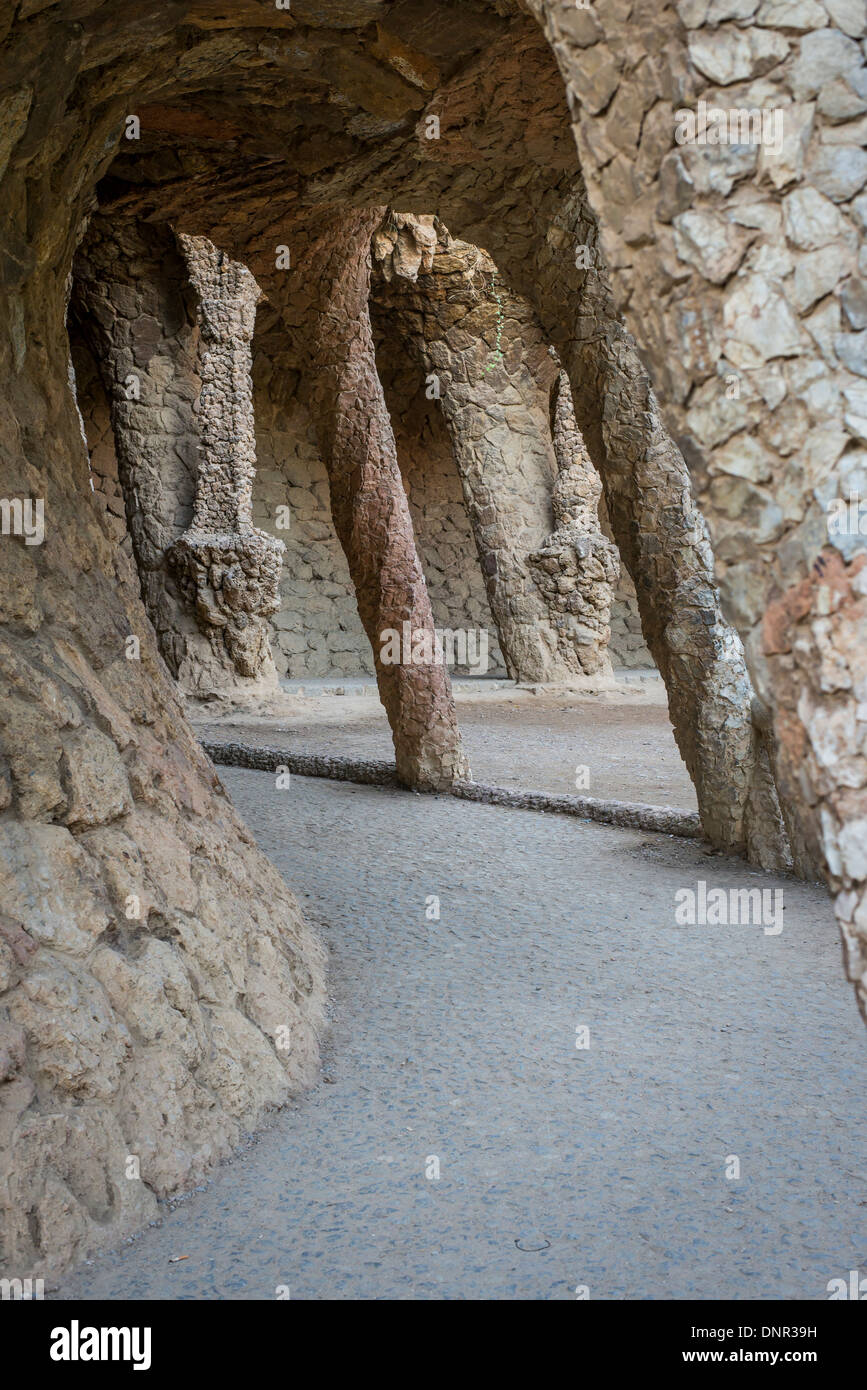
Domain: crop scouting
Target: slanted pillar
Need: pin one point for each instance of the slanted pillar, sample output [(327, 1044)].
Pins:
[(485, 359), (658, 529), (369, 505)]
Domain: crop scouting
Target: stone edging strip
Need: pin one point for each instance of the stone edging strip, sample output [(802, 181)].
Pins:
[(664, 820), (373, 772), (635, 815)]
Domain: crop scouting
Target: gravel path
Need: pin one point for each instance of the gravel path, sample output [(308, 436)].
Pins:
[(455, 1039)]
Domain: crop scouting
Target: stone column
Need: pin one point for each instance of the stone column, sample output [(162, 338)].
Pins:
[(663, 539), (577, 567), (228, 571), (368, 501), (487, 359), (658, 529), (737, 267), (135, 306)]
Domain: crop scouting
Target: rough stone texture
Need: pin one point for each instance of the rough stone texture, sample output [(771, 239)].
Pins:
[(577, 566), (627, 646), (182, 420), (317, 631), (766, 463), (148, 951), (664, 820), (99, 435), (489, 361), (444, 535), (125, 875), (369, 505), (228, 571), (374, 772), (481, 351), (256, 125), (660, 534), (133, 309)]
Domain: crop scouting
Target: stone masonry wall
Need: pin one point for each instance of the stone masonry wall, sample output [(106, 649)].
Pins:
[(317, 631), (577, 565), (444, 535), (406, 248), (169, 327), (442, 527), (149, 953), (133, 308), (492, 373)]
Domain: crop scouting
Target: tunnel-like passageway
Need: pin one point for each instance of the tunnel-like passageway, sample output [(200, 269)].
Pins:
[(644, 351)]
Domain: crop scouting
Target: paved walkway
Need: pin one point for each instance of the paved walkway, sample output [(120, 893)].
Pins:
[(455, 1040)]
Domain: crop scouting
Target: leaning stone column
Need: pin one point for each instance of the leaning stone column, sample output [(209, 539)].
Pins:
[(659, 531), (228, 570), (489, 363), (716, 299), (368, 502), (577, 567)]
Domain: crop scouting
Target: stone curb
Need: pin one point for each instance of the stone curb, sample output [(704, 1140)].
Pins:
[(663, 820), (666, 820)]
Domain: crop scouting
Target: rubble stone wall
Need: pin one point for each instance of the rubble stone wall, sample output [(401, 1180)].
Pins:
[(577, 566), (628, 647), (441, 307), (169, 327), (317, 631), (132, 306), (445, 540), (149, 954)]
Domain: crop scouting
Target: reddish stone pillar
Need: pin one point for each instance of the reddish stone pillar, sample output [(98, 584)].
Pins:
[(369, 504)]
